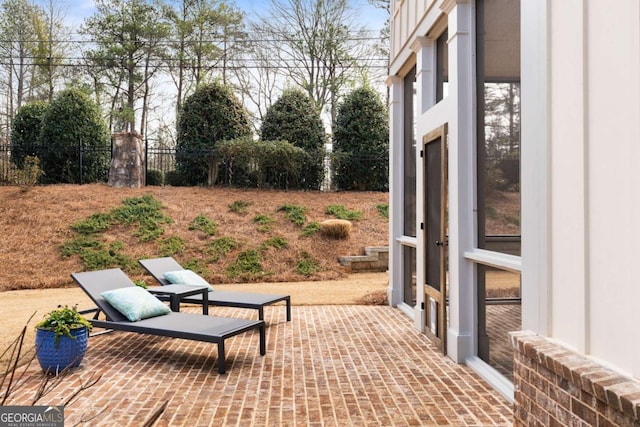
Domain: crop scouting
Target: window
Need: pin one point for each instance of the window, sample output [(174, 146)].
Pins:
[(498, 70), (409, 154), (498, 180), (409, 275), (442, 66)]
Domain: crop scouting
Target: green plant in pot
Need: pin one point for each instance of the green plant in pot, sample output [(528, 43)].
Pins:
[(61, 339)]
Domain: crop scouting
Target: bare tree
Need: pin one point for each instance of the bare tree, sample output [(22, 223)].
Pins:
[(204, 35), (382, 47), (52, 47), (19, 21), (318, 46), (258, 83)]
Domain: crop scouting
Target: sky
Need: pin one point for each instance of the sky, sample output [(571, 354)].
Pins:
[(371, 17)]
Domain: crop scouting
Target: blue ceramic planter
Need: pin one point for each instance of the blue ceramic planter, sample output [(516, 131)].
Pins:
[(68, 353)]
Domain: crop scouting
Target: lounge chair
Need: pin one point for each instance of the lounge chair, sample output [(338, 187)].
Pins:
[(257, 301), (187, 326)]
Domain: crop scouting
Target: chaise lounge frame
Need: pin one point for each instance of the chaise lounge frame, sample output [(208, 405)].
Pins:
[(257, 301), (195, 327)]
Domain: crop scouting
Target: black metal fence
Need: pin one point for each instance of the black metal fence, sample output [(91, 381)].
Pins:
[(76, 165), (161, 167)]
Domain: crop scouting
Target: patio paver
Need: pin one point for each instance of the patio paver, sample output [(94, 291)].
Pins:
[(329, 366)]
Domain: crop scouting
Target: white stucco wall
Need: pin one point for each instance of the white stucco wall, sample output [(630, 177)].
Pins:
[(593, 119)]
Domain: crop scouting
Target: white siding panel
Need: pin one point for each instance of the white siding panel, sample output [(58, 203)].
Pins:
[(613, 137), (567, 174), (406, 20)]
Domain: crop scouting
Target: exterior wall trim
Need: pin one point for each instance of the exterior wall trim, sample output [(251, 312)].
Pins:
[(536, 250), (462, 171), (396, 205)]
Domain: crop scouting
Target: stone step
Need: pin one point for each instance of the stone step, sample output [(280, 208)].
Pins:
[(375, 258)]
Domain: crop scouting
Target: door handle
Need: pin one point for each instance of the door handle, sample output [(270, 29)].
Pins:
[(439, 243)]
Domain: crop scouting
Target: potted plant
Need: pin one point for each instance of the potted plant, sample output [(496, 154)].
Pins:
[(61, 339)]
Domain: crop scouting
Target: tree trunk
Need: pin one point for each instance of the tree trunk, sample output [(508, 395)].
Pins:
[(21, 77), (131, 94), (180, 77), (145, 97), (212, 176)]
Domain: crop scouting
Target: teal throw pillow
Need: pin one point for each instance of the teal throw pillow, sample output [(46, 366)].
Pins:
[(186, 277), (135, 303)]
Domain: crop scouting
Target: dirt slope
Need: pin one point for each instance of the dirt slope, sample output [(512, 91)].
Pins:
[(34, 224)]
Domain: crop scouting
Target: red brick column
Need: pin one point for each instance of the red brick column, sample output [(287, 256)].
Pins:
[(555, 386)]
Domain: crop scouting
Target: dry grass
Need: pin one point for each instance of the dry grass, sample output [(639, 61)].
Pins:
[(34, 224), (376, 297), (335, 228)]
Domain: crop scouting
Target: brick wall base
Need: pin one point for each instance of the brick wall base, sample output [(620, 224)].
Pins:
[(558, 387)]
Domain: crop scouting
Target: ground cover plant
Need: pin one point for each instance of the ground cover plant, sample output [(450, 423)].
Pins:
[(340, 212), (47, 228)]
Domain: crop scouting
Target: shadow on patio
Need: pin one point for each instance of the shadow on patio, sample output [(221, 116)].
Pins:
[(330, 366)]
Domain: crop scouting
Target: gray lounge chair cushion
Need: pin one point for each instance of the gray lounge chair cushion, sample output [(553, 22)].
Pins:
[(186, 277), (135, 303)]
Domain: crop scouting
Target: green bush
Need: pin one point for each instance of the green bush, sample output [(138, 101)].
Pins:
[(310, 229), (221, 247), (140, 209), (263, 219), (247, 263), (61, 321), (94, 224), (271, 164), (361, 143), (73, 126), (77, 245), (175, 179), (210, 115), (101, 258), (29, 174), (154, 177), (204, 224), (275, 242), (145, 212), (25, 131), (239, 206), (293, 118), (340, 212), (148, 230), (307, 266), (172, 245), (383, 210), (196, 265), (295, 213), (264, 222)]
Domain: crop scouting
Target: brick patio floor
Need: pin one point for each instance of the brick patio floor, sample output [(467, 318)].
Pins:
[(329, 366)]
